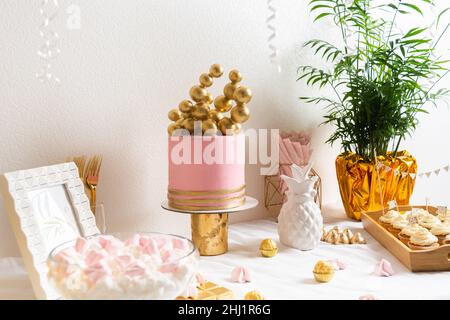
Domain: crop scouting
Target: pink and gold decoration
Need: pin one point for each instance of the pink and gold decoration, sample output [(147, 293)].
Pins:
[(213, 112)]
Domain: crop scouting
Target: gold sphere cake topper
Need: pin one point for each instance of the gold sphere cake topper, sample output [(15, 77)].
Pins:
[(212, 111)]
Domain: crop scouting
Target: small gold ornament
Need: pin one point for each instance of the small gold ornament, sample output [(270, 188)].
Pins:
[(174, 115), (240, 113), (198, 94), (253, 295), (222, 104), (215, 115), (206, 80), (268, 248), (188, 124), (186, 106), (216, 70), (201, 111), (229, 90), (226, 126), (235, 76), (171, 128), (242, 95), (237, 128), (209, 127)]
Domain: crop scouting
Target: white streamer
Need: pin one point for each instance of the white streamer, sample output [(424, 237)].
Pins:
[(273, 56), (49, 49)]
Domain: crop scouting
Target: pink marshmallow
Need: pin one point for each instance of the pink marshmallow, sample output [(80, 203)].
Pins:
[(133, 241), (181, 244), (124, 261), (169, 267), (338, 264), (93, 257), (240, 275), (135, 270)]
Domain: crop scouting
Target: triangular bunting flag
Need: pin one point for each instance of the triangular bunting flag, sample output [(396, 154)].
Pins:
[(379, 165), (428, 174), (420, 175), (412, 175), (387, 169), (446, 167), (436, 172), (404, 174), (396, 172)]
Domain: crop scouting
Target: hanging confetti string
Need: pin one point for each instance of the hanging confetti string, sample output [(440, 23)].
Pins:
[(49, 49), (273, 56)]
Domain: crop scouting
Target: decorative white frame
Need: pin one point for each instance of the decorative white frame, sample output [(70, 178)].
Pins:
[(15, 187)]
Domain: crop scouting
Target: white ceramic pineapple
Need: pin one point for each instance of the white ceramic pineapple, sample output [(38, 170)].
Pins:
[(300, 221)]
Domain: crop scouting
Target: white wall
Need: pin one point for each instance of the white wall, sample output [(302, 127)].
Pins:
[(133, 60)]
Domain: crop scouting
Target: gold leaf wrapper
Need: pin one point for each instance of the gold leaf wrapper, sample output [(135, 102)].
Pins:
[(359, 185)]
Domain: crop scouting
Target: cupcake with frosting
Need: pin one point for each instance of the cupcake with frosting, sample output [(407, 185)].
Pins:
[(408, 231), (423, 240), (441, 231), (387, 218), (429, 221), (398, 224)]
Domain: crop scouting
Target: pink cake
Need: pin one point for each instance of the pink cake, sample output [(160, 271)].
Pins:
[(206, 173)]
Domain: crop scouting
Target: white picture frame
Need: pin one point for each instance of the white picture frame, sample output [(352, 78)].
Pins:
[(46, 206)]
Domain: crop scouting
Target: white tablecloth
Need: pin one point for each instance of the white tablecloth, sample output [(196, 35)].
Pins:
[(289, 274)]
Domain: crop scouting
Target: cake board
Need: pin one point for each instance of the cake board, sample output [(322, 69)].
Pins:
[(210, 227)]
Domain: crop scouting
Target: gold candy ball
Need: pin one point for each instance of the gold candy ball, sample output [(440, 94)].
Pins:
[(198, 93), (216, 70), (215, 115), (171, 128), (237, 128), (209, 127), (229, 90), (174, 114), (209, 98), (268, 248), (253, 295), (223, 104), (235, 76), (240, 113), (186, 106), (243, 94), (226, 126), (188, 124), (201, 111), (206, 80)]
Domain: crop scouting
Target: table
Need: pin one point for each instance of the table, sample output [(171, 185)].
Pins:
[(289, 274)]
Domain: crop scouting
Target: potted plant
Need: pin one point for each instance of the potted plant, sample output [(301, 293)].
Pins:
[(382, 78)]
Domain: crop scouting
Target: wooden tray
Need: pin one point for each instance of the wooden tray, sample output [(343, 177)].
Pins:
[(415, 260)]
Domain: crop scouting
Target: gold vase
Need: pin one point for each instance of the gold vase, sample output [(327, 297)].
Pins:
[(359, 183)]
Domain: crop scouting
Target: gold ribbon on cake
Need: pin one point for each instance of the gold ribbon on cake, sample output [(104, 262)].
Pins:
[(360, 181)]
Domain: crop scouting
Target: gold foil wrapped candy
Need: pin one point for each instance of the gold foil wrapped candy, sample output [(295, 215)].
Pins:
[(211, 111), (253, 295), (323, 271), (268, 248)]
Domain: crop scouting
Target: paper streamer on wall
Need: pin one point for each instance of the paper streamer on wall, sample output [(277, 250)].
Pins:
[(273, 56), (49, 49)]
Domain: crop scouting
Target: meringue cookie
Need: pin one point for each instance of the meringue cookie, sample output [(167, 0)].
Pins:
[(240, 275), (384, 268), (338, 264)]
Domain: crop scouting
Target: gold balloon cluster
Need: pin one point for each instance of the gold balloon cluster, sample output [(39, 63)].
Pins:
[(234, 100)]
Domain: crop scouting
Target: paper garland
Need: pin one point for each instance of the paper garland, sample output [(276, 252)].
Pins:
[(427, 174), (273, 56), (49, 49)]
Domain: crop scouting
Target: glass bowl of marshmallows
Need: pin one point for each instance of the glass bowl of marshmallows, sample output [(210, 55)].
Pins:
[(131, 266)]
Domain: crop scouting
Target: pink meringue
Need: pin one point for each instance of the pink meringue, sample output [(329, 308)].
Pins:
[(338, 264), (384, 268), (240, 274)]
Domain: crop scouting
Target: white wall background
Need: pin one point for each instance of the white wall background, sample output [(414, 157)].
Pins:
[(130, 62)]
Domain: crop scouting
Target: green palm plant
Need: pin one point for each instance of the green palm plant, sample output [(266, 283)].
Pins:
[(382, 77)]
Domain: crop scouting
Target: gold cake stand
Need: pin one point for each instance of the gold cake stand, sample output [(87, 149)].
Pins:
[(210, 228)]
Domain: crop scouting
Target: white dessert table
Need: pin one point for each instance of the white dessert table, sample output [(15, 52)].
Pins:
[(289, 274)]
